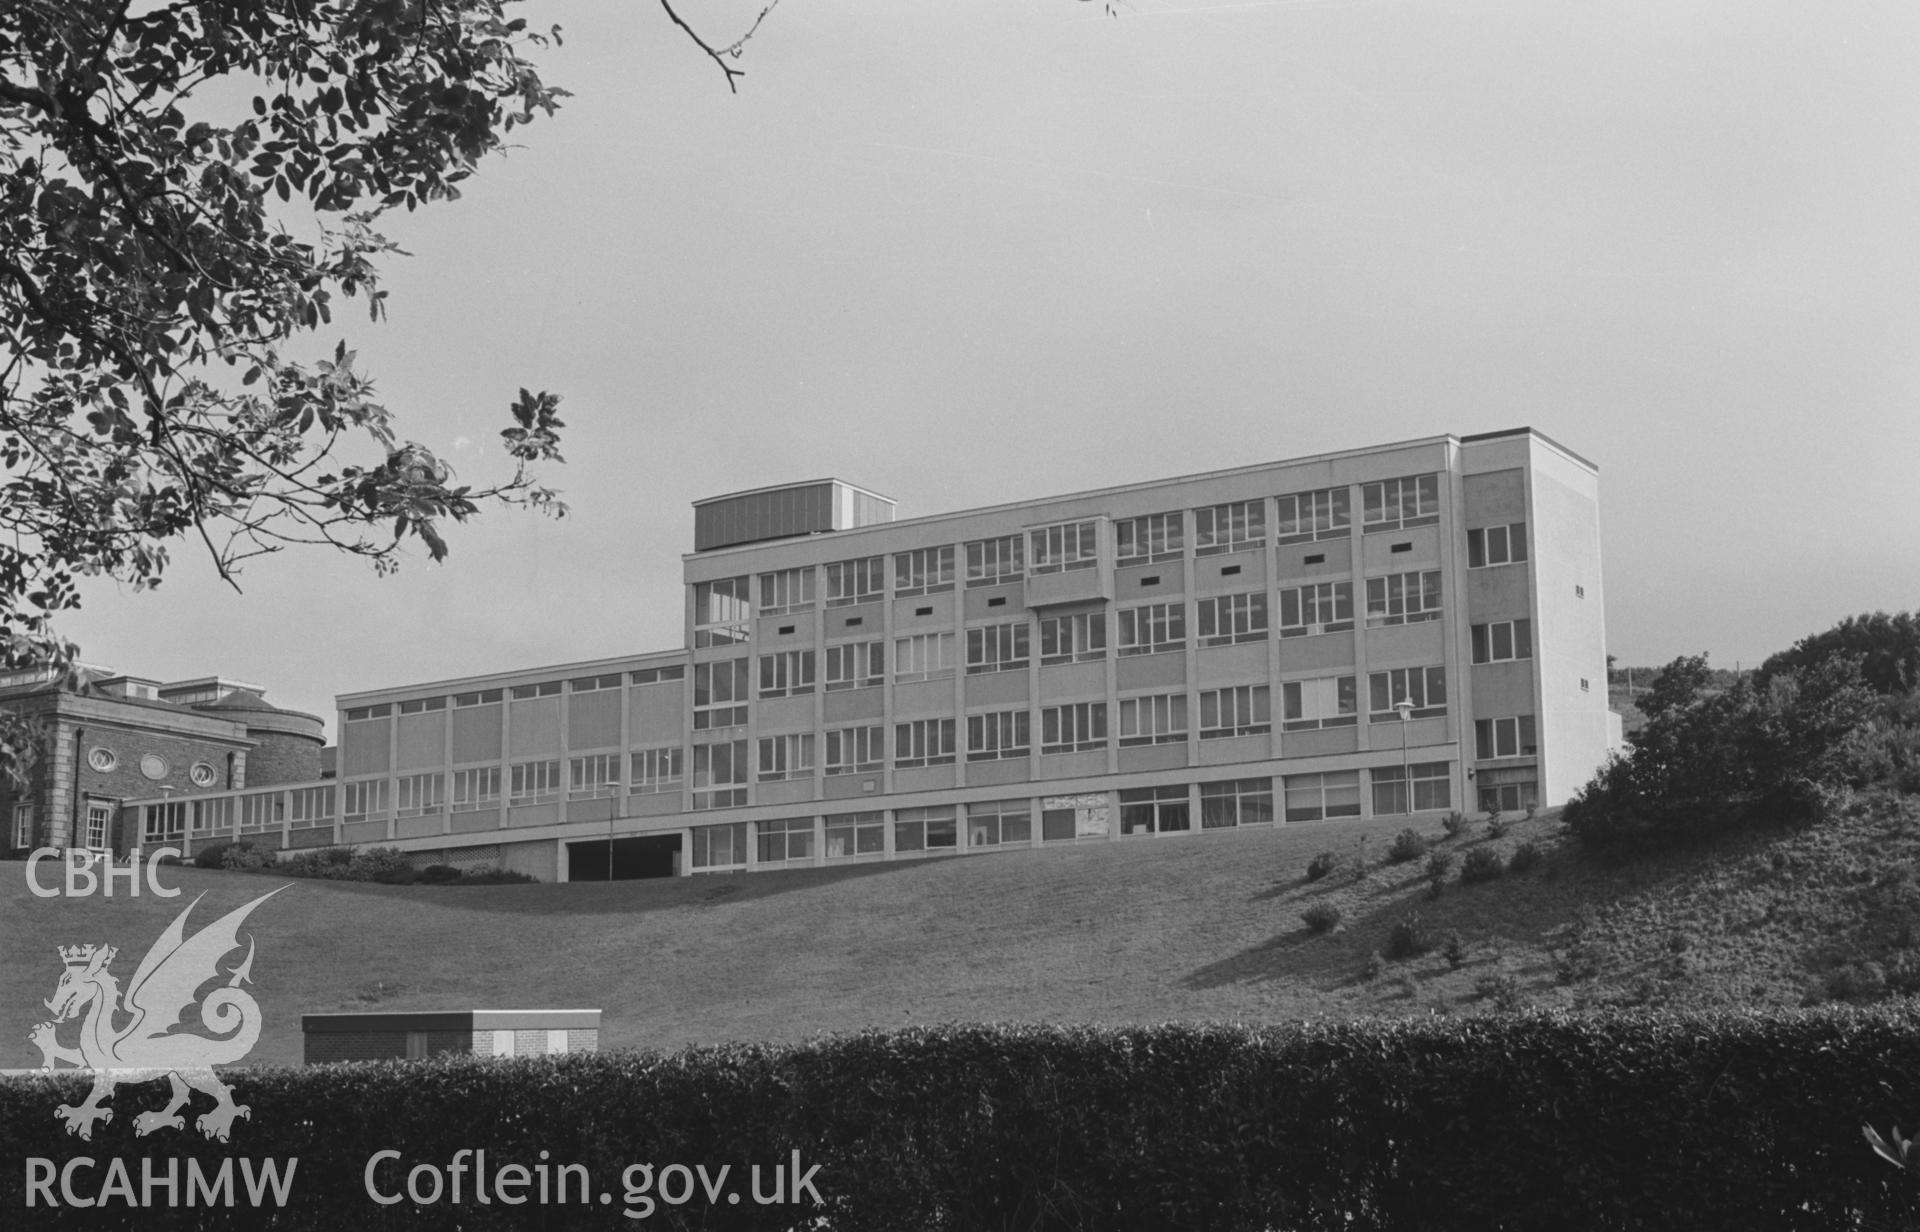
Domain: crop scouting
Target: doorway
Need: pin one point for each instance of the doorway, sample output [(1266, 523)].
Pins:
[(624, 859)]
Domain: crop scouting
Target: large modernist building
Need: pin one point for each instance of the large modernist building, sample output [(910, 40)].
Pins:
[(1410, 628)]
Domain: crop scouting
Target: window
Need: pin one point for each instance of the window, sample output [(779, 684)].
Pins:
[(926, 829), (1160, 719), (1073, 639), (1227, 619), (998, 648), (160, 823), (923, 656), (923, 572), (476, 789), (854, 665), (1070, 545), (999, 734), (1322, 607), (855, 750), (1243, 710), (990, 561), (366, 798), (1225, 528), (1403, 598), (22, 825), (855, 834), (265, 809), (855, 581), (597, 774), (658, 770), (659, 675), (786, 757), (534, 782), (719, 694), (923, 742), (780, 841), (1508, 790), (719, 846), (100, 822), (1323, 514), (1153, 629), (1313, 797), (999, 822), (1502, 640), (1154, 810), (1432, 788), (787, 672), (1076, 728), (420, 705), (593, 684), (484, 697), (720, 775), (1330, 701), (720, 612), (1396, 503), (420, 793), (789, 590), (1496, 545), (1512, 737), (1425, 687), (1236, 802), (353, 716), (521, 692), (1139, 541), (211, 816)]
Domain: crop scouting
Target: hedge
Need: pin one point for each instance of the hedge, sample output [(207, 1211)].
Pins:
[(1492, 1122)]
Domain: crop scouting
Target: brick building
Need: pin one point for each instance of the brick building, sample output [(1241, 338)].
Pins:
[(106, 738)]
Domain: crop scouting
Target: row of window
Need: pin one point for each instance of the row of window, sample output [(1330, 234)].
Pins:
[(548, 688), (1422, 787), (722, 607)]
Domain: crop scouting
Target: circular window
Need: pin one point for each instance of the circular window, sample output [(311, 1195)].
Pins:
[(102, 759), (153, 766), (201, 774)]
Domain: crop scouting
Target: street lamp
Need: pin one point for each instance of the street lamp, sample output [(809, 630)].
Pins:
[(1405, 708)]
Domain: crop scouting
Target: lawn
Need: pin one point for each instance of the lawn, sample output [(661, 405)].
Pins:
[(1205, 926)]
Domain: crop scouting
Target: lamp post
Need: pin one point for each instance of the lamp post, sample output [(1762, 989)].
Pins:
[(1405, 708)]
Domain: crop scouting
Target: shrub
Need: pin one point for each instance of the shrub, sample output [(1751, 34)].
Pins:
[(1322, 864), (1439, 864), (1375, 967), (1408, 938), (1454, 823), (1502, 990), (488, 874), (246, 858), (1482, 864), (1496, 825), (438, 874), (1524, 858), (211, 856), (1454, 949), (1577, 962), (1321, 918), (1409, 844)]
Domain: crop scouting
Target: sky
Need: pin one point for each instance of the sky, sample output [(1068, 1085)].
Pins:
[(995, 251)]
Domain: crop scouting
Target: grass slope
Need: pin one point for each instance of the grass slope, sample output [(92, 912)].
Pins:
[(1193, 927)]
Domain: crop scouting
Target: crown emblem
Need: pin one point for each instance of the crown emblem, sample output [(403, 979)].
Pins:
[(82, 955)]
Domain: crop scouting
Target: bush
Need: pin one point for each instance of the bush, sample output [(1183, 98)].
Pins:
[(211, 856), (1654, 1120), (1454, 949), (1375, 968), (1439, 864), (1502, 990), (1322, 864), (1524, 858), (1408, 938), (1321, 918), (1454, 823), (1482, 864), (244, 857), (439, 874), (1496, 825), (487, 874), (1409, 844)]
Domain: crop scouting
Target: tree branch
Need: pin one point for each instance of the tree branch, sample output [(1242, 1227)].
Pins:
[(720, 55)]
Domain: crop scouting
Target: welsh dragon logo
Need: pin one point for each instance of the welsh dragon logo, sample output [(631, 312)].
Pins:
[(147, 1045)]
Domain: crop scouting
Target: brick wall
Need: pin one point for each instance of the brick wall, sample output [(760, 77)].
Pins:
[(282, 758)]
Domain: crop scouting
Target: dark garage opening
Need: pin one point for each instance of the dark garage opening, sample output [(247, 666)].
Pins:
[(651, 855)]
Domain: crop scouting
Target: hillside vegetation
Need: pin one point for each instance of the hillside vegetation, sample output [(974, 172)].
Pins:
[(1200, 927)]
